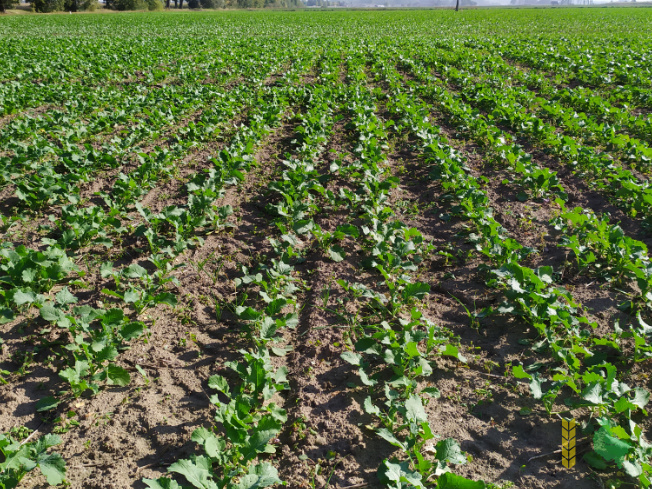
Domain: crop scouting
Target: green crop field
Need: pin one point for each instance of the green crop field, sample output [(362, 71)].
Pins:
[(326, 249)]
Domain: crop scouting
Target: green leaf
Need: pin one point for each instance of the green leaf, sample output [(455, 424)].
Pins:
[(349, 229), (247, 313), (219, 383), (117, 376), (414, 411), (113, 318), (213, 446), (47, 441), (452, 481), (6, 315), (610, 447), (106, 269), (166, 298), (351, 357), (261, 475), (452, 351), (593, 393), (275, 306), (303, 226), (449, 451), (632, 469), (365, 379), (411, 349), (106, 353), (162, 483), (432, 391), (47, 403), (387, 435), (370, 408), (418, 290), (134, 271), (520, 373), (266, 430), (641, 397), (74, 375), (132, 330), (53, 467), (595, 460), (51, 313), (20, 297), (336, 253), (197, 471), (132, 296), (535, 386), (391, 473), (65, 297)]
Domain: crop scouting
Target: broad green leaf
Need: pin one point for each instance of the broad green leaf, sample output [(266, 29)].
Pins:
[(632, 468), (453, 481), (51, 313), (336, 253), (212, 445), (117, 376), (387, 435), (247, 313), (166, 298), (417, 290), (593, 393), (53, 467), (197, 471), (452, 351), (370, 408), (134, 271), (131, 296), (351, 357), (641, 397), (520, 373), (414, 411), (219, 383), (266, 430), (610, 447), (65, 297), (260, 475), (106, 353), (349, 229), (398, 475), (449, 451), (132, 330), (47, 403), (162, 483), (595, 460), (21, 298)]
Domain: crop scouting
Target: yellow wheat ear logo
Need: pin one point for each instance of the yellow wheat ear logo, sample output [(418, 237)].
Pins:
[(568, 443)]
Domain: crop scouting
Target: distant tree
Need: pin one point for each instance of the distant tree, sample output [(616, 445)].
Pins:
[(284, 3), (134, 4), (48, 5), (211, 3), (251, 3), (77, 5), (7, 4)]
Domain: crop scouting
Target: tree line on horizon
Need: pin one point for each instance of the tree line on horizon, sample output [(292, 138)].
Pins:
[(46, 6)]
